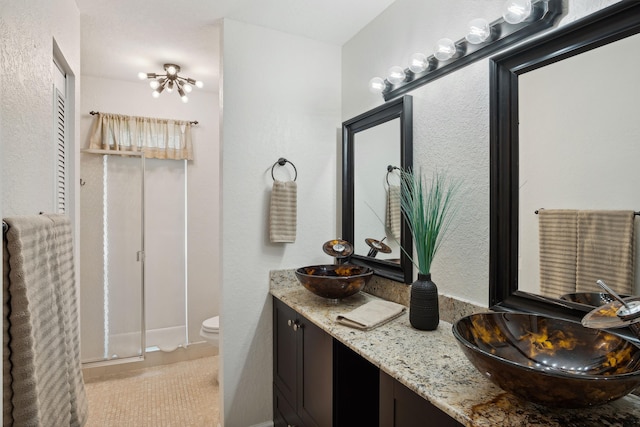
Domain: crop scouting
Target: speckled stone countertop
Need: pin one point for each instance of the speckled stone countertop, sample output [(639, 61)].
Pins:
[(431, 364)]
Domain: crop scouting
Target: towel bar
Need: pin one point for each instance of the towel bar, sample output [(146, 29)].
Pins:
[(636, 213)]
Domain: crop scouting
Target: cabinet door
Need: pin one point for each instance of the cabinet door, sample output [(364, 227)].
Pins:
[(285, 370), (283, 414), (401, 407), (315, 384)]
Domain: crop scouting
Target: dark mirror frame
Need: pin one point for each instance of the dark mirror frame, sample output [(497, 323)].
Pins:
[(401, 108), (608, 25)]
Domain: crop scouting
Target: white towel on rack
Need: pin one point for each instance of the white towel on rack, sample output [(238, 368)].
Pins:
[(283, 212)]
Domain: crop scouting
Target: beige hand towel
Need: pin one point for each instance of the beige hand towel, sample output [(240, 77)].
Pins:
[(393, 212), (605, 250), (371, 314), (283, 212), (558, 242)]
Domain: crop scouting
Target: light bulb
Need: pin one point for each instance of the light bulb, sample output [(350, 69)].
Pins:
[(199, 84), (170, 87), (377, 85), (184, 98), (155, 94), (154, 84), (171, 70), (187, 87), (445, 49), (396, 75), (142, 76), (478, 31), (516, 11), (418, 63)]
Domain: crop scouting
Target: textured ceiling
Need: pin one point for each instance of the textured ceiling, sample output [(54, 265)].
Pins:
[(120, 38)]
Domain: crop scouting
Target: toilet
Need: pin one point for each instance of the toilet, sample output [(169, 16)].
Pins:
[(210, 330)]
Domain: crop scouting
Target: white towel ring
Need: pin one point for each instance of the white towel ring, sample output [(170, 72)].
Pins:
[(281, 162)]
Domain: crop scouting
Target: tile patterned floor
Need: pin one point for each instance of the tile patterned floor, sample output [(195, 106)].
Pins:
[(182, 394)]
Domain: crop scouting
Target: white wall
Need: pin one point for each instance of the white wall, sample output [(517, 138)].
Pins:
[(451, 118), (281, 98), (134, 98), (27, 167), (27, 32)]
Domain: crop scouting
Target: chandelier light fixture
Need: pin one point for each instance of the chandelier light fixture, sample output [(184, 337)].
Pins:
[(170, 81)]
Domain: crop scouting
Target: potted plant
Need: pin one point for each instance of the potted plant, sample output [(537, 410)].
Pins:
[(428, 208)]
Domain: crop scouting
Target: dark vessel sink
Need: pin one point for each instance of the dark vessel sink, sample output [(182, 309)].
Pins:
[(549, 361), (334, 281)]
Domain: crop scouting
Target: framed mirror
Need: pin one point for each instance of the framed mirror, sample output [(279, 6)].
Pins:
[(564, 135), (376, 145)]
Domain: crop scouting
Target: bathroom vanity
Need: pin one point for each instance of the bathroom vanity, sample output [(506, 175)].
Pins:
[(327, 374)]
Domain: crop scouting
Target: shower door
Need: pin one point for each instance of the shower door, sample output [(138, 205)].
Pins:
[(112, 257)]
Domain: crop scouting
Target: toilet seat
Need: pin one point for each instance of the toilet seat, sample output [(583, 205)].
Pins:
[(210, 330), (211, 325)]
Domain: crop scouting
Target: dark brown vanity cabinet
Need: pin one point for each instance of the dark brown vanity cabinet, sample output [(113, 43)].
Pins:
[(302, 371), (320, 382), (401, 407)]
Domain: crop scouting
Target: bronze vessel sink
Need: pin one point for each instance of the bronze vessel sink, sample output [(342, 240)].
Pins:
[(334, 281), (549, 361)]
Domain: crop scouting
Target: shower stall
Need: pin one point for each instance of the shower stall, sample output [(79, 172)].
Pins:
[(133, 256)]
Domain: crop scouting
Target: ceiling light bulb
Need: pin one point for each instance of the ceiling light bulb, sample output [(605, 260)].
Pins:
[(377, 85), (184, 98), (170, 87), (155, 94), (142, 76), (199, 84), (154, 84), (516, 11), (396, 75), (445, 49), (171, 70), (418, 63), (478, 31), (187, 87)]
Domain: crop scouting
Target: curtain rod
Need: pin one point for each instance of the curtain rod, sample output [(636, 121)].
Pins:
[(93, 113)]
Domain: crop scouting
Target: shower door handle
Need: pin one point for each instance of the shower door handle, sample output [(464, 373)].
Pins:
[(140, 256)]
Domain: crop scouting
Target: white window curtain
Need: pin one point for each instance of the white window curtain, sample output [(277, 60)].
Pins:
[(156, 138)]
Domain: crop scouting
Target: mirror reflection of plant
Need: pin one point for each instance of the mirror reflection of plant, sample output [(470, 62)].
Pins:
[(429, 209)]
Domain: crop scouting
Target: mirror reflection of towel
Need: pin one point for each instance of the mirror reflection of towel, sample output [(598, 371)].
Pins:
[(393, 213), (283, 212), (605, 250), (557, 230), (579, 247)]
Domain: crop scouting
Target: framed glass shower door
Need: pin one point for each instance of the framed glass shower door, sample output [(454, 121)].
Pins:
[(112, 257)]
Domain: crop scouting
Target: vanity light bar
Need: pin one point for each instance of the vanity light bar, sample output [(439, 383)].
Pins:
[(525, 18)]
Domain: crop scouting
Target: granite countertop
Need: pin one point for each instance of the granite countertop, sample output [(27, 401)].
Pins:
[(431, 364)]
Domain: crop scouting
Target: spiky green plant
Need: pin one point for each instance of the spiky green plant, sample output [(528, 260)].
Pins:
[(429, 211)]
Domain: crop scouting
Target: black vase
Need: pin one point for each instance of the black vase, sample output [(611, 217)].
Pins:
[(423, 306)]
